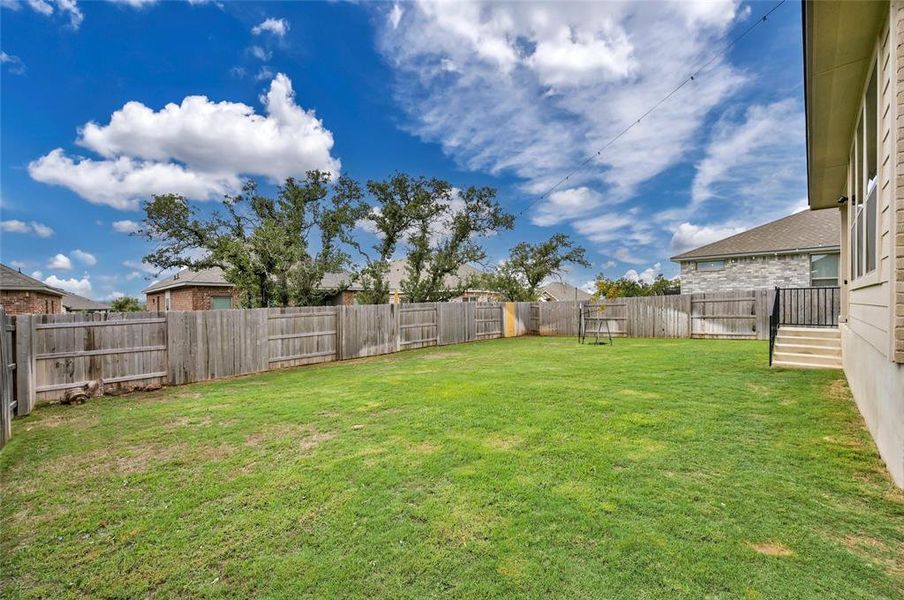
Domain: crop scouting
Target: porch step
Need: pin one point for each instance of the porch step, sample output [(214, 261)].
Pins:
[(811, 332), (807, 348), (812, 361), (795, 346)]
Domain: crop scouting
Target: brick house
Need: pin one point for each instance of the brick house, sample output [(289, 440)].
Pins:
[(192, 290), (800, 250), (21, 294)]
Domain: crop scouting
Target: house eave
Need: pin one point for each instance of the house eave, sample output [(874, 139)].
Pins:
[(838, 41), (810, 250)]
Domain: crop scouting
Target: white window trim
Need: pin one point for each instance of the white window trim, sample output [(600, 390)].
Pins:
[(872, 277)]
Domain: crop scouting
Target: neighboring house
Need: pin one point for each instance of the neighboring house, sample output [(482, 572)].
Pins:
[(800, 250), (854, 92), (209, 290), (559, 291), (398, 271), (75, 303), (21, 294), (192, 290)]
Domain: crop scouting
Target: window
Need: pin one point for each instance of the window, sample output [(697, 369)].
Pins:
[(862, 207), (166, 301), (220, 302), (710, 265), (824, 270)]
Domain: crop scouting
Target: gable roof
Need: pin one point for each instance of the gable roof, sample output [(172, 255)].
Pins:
[(11, 279), (806, 230), (212, 277), (561, 291), (74, 302)]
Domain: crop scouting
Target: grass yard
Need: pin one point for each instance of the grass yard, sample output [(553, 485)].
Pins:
[(531, 466)]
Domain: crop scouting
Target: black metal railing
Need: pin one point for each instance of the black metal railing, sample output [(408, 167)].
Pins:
[(803, 307), (774, 322), (810, 306)]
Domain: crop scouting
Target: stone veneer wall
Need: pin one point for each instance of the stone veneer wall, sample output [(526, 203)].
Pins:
[(745, 273), (20, 302)]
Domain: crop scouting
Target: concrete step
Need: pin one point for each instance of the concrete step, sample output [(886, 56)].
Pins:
[(813, 332), (799, 360), (833, 350), (830, 342)]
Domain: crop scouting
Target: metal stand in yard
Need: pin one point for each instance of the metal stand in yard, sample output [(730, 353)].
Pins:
[(592, 320)]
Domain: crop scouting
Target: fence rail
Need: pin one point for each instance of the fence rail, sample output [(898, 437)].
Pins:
[(45, 356)]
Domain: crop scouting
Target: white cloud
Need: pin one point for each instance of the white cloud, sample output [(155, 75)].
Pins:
[(756, 161), (82, 286), (259, 53), (395, 15), (277, 27), (647, 276), (133, 275), (623, 226), (624, 255), (86, 258), (688, 236), (17, 264), (555, 82), (13, 63), (37, 274), (140, 266), (66, 8), (608, 264), (134, 3), (126, 226), (263, 73), (41, 230), (113, 296), (60, 262), (564, 205), (15, 226), (180, 149)]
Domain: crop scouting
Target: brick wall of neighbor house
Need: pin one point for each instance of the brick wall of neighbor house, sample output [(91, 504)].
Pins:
[(18, 302), (189, 298), (786, 270)]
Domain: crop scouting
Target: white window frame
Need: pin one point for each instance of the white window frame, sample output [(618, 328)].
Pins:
[(860, 196), (719, 268), (837, 277)]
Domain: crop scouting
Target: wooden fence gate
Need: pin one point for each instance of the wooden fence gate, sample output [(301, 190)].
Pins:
[(8, 404)]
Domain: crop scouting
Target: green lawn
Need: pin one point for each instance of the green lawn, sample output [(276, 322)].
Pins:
[(531, 466)]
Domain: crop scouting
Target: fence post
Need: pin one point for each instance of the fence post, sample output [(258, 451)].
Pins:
[(25, 364)]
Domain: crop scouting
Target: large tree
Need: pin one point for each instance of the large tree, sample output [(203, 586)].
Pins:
[(625, 287), (275, 250), (519, 277), (125, 304), (440, 228)]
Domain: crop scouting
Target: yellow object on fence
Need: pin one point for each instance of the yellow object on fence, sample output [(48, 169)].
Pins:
[(509, 320)]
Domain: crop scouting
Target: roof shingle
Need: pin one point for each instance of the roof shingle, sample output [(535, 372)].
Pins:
[(806, 230), (11, 279)]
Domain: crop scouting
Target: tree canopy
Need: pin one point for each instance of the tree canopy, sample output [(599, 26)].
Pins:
[(125, 304), (624, 287), (274, 250), (440, 228), (529, 265)]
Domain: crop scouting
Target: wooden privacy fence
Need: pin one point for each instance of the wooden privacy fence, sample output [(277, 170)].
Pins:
[(42, 357)]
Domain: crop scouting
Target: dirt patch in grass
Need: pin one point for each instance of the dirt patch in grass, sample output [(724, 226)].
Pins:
[(772, 549), (303, 437), (759, 390), (838, 389), (441, 355), (75, 420), (180, 422), (426, 448), (502, 442), (889, 559), (644, 395)]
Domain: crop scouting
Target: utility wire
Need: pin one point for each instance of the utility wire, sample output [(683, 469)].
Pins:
[(662, 101)]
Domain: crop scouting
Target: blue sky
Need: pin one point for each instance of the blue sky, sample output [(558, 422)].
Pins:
[(105, 103)]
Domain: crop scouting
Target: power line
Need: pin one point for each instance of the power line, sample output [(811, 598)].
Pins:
[(661, 101)]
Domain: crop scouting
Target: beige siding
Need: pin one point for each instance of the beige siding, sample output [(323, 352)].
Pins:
[(869, 302)]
